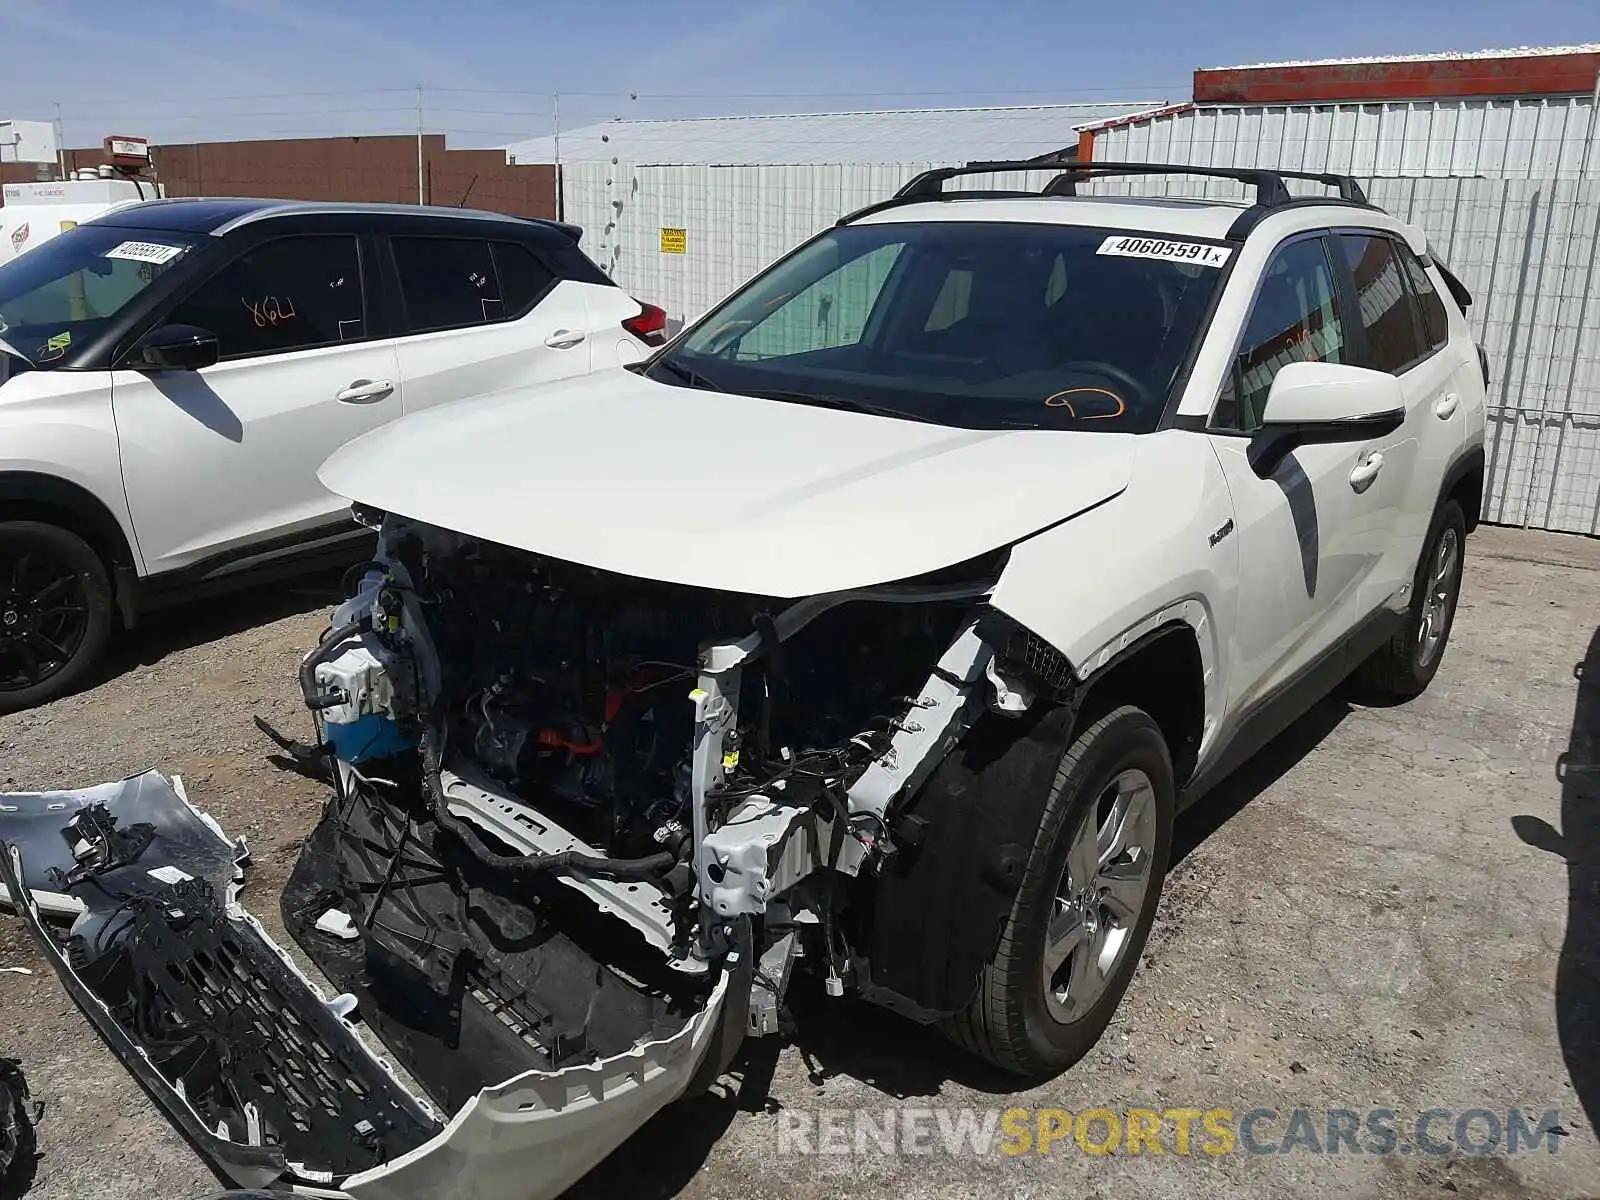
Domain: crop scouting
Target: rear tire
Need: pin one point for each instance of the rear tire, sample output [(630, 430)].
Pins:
[(1034, 1024), (1404, 666), (56, 612)]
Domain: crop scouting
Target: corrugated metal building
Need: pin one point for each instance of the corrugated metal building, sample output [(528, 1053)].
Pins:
[(1497, 156), (1518, 114), (737, 192), (1546, 137), (887, 136)]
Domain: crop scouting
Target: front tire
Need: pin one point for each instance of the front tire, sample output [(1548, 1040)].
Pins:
[(1405, 665), (1086, 903), (17, 1139), (56, 611)]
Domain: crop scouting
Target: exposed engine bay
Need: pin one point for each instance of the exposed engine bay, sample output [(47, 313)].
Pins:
[(584, 828), (566, 686)]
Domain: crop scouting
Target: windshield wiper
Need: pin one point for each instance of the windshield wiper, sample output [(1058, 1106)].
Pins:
[(690, 376), (7, 348), (845, 404)]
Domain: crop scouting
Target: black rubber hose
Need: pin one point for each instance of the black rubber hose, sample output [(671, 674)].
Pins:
[(625, 869), (329, 649)]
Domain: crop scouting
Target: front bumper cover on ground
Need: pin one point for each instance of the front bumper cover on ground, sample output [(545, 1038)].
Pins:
[(267, 1080)]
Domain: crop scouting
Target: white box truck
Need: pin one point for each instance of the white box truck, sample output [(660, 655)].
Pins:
[(33, 213)]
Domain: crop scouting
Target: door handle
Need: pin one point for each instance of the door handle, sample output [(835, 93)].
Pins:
[(365, 391), (1445, 407), (565, 339), (1366, 471)]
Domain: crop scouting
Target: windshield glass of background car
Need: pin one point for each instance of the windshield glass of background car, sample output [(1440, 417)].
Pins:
[(981, 325), (63, 292), (11, 363)]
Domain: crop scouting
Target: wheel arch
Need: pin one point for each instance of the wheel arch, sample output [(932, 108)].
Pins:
[(936, 912), (1463, 483), (1163, 671)]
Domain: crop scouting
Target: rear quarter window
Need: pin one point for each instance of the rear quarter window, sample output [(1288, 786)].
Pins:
[(1393, 331), (1435, 324), (523, 278)]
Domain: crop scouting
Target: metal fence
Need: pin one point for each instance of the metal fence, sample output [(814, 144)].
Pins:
[(1545, 137), (1526, 249)]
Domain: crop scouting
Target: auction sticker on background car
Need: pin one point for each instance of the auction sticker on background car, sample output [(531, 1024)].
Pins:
[(1139, 247), (147, 252)]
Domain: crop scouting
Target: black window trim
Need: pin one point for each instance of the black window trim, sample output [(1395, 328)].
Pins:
[(1171, 418), (405, 328), (1398, 246), (173, 302), (1204, 425)]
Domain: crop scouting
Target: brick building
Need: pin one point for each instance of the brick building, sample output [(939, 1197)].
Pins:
[(379, 169)]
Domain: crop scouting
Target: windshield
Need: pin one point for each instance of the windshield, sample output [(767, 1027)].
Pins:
[(62, 293), (980, 325), (11, 362)]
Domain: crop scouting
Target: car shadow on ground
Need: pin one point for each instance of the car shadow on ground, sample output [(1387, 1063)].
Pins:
[(858, 1041), (1578, 842), (185, 626), (1259, 772)]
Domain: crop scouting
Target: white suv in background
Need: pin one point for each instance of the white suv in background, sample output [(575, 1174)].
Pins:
[(172, 374)]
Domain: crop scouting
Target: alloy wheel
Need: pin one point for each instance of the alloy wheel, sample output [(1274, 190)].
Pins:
[(1440, 601), (44, 616), (1101, 894)]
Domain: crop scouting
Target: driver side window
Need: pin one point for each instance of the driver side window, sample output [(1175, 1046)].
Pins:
[(293, 293), (1295, 319), (830, 313)]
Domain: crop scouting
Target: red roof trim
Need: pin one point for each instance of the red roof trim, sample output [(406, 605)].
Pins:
[(1427, 79)]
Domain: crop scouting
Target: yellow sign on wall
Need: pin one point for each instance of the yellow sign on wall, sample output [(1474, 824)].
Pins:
[(674, 241)]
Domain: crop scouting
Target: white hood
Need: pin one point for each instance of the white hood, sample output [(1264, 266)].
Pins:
[(723, 491)]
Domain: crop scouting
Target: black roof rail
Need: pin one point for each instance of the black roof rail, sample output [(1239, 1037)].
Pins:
[(1271, 191)]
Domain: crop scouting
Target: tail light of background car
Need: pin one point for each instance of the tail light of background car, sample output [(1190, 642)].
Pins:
[(650, 326)]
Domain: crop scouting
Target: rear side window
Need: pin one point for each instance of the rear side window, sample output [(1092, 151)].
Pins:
[(1394, 338), (295, 293), (1435, 325), (447, 283)]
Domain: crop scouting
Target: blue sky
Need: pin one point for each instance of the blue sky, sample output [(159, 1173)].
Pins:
[(181, 70)]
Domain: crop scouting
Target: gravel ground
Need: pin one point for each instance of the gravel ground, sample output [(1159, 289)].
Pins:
[(1394, 908)]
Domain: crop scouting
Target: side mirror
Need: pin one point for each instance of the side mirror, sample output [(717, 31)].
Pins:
[(175, 348), (1316, 403)]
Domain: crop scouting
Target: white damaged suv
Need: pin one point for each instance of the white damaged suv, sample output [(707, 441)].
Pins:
[(878, 627)]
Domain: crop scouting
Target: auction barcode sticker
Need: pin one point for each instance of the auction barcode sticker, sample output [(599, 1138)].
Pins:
[(1184, 252), (146, 252)]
